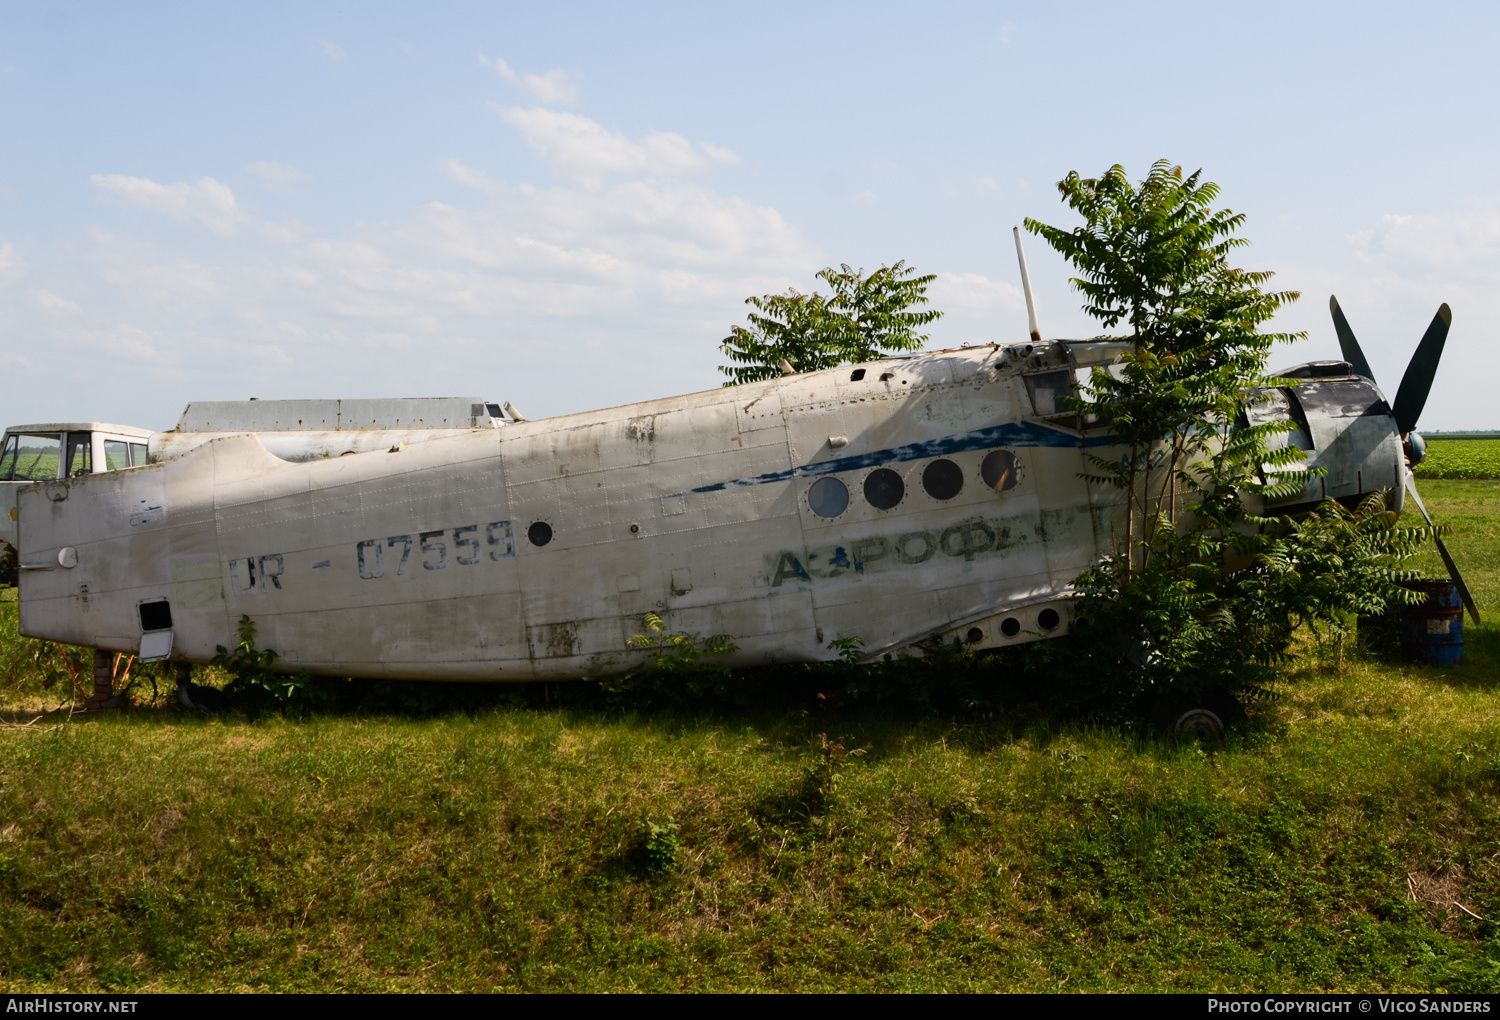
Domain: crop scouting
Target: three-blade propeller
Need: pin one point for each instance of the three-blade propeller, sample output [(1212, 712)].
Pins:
[(1411, 397)]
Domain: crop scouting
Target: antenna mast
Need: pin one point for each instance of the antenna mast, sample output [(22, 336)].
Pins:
[(1036, 333)]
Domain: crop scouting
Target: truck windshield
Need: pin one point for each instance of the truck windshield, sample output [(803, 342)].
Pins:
[(30, 458)]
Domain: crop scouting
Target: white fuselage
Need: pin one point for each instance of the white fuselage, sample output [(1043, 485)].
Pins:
[(419, 562)]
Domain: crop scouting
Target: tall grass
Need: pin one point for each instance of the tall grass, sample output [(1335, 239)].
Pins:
[(1333, 842)]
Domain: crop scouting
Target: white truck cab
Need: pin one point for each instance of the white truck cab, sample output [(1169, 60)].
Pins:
[(40, 453)]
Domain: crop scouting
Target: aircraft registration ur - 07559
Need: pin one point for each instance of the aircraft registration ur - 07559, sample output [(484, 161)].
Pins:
[(910, 500)]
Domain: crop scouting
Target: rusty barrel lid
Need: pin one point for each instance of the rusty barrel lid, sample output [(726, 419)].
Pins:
[(1441, 598)]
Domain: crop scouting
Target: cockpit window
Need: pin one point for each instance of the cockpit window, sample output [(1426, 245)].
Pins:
[(1047, 392), (137, 454), (30, 458)]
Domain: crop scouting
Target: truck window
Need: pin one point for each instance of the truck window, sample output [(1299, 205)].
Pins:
[(80, 453), (137, 454), (30, 458), (116, 455)]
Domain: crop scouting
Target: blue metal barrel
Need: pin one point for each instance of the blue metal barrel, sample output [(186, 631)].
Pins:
[(1433, 629)]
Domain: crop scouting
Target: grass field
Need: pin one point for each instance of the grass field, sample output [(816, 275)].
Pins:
[(1339, 840), (1461, 458)]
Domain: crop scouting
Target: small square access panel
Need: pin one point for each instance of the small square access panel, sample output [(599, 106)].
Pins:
[(155, 615)]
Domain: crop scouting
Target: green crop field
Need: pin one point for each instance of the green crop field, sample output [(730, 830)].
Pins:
[(1346, 838), (1461, 458)]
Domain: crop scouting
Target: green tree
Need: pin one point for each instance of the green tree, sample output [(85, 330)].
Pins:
[(862, 318), (1204, 591), (1155, 256)]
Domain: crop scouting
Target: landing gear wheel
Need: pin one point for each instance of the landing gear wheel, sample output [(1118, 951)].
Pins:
[(1204, 717), (1200, 724)]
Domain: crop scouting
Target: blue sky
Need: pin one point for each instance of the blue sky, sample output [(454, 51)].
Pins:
[(565, 205)]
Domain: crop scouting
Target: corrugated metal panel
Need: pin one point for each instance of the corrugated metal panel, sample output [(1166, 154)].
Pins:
[(334, 415)]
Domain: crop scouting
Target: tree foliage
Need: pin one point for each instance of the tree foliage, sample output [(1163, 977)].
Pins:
[(861, 319), (1201, 590), (1155, 257)]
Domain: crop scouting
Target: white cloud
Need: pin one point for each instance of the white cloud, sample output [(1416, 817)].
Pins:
[(468, 176), (595, 230), (333, 51), (864, 198), (1006, 31), (584, 148), (986, 185), (552, 87), (289, 232), (54, 304), (278, 176), (555, 86), (11, 265), (160, 282), (134, 342), (210, 203), (974, 290), (1466, 242), (500, 66)]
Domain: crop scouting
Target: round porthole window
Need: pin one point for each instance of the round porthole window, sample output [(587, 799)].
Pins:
[(1010, 626), (1048, 619), (828, 497), (943, 479), (539, 533), (999, 470), (884, 489)]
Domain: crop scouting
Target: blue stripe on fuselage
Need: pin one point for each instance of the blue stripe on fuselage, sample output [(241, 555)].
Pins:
[(1016, 433)]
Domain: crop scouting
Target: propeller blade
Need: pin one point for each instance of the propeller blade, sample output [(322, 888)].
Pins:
[(1412, 394), (1463, 589), (1347, 343)]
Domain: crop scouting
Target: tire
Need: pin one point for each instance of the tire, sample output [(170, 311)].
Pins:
[(1203, 717)]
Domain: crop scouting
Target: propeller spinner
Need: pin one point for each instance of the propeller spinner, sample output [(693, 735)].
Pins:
[(1411, 397)]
